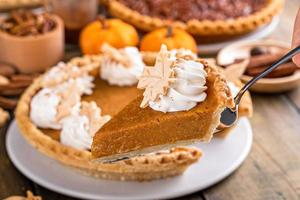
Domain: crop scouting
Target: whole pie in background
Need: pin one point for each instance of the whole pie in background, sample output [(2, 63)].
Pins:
[(210, 21)]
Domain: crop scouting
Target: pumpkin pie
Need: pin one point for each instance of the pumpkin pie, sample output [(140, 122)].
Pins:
[(209, 20), (93, 103), (181, 104)]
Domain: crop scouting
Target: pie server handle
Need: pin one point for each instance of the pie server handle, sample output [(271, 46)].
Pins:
[(229, 115)]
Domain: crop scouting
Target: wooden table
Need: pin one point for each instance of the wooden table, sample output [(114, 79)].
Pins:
[(271, 171)]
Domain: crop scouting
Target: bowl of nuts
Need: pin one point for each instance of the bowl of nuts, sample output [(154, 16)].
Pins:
[(32, 42), (253, 57)]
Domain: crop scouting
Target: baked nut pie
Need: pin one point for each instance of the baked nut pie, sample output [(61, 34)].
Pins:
[(63, 109), (213, 19)]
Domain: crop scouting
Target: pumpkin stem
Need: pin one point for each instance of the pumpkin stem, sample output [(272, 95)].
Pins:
[(169, 31), (102, 20)]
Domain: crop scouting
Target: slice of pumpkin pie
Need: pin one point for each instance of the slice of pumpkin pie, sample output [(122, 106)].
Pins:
[(181, 104)]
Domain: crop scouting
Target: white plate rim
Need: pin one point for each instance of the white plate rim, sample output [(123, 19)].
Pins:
[(260, 33), (75, 194)]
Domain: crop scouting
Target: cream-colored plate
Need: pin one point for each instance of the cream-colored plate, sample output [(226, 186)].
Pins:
[(241, 50)]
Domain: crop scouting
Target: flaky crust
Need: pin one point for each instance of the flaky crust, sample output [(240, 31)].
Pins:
[(236, 26), (143, 168), (220, 84)]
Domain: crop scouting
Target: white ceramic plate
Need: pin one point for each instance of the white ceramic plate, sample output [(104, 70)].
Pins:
[(221, 157), (258, 34)]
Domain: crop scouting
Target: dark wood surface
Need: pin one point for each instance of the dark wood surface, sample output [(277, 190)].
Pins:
[(271, 171)]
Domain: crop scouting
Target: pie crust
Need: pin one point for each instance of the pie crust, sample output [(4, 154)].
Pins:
[(207, 28), (142, 168)]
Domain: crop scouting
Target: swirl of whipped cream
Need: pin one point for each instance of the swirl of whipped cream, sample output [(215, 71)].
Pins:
[(74, 132), (79, 128), (121, 69), (186, 91), (43, 109)]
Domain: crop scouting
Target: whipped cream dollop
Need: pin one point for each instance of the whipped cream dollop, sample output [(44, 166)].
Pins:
[(50, 105), (43, 109), (121, 66), (173, 84), (59, 95), (186, 91), (79, 128)]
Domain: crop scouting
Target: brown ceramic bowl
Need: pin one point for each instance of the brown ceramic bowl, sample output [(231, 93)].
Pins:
[(240, 50), (33, 53)]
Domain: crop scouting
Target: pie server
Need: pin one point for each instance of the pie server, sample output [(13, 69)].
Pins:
[(230, 115)]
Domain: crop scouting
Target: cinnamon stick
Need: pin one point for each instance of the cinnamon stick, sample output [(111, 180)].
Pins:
[(285, 69)]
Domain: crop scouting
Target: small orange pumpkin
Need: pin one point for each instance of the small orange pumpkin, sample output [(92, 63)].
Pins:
[(174, 38), (112, 31)]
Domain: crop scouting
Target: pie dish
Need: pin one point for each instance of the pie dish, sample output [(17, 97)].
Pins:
[(112, 99), (217, 23), (175, 109)]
